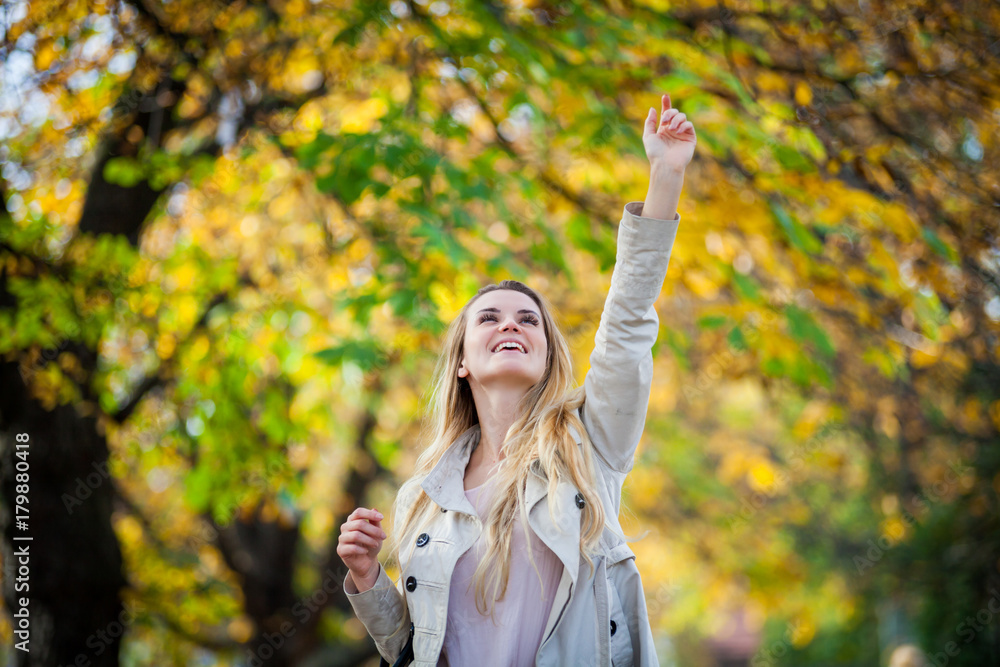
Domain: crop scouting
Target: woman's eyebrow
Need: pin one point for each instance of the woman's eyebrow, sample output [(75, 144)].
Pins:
[(497, 310)]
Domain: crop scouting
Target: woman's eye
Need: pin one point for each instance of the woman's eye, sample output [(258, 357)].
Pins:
[(490, 317)]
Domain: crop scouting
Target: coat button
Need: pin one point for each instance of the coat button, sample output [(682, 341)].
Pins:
[(579, 501), (614, 628), (423, 539), (411, 584)]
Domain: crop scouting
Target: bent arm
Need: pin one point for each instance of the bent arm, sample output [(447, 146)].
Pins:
[(618, 383), (383, 612)]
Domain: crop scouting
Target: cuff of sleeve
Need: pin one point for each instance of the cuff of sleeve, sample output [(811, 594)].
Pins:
[(634, 208), (380, 608), (351, 588)]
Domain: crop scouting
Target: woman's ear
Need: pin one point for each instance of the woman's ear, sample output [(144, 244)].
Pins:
[(462, 370)]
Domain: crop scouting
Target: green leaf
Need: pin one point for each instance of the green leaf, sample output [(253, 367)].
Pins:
[(678, 344), (939, 246), (789, 158), (308, 154), (736, 339), (124, 171), (367, 355), (773, 367), (386, 452), (802, 327), (580, 234), (798, 235), (351, 166), (712, 321), (746, 286), (197, 488)]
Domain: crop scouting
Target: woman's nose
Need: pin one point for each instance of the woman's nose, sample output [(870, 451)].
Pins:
[(510, 324)]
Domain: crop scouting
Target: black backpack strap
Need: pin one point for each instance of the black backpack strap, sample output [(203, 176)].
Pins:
[(405, 656)]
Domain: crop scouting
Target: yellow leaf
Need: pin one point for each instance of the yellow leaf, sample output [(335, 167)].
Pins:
[(184, 278), (761, 477), (165, 345), (814, 414), (898, 219), (149, 305), (45, 55), (240, 629), (447, 301), (310, 118), (768, 81), (199, 348), (922, 359), (803, 631), (359, 118), (894, 529), (803, 94), (187, 310), (358, 250), (700, 284)]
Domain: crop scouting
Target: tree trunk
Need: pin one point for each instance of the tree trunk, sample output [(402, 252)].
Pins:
[(73, 556)]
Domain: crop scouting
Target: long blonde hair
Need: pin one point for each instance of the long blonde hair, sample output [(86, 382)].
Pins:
[(540, 432)]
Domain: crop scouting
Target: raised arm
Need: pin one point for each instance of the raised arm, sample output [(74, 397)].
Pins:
[(621, 366)]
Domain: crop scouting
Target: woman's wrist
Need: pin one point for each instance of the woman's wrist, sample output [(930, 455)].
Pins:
[(665, 184), (664, 172), (365, 582)]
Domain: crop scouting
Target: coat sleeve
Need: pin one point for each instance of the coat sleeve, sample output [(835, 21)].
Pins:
[(382, 608), (618, 383), (383, 612)]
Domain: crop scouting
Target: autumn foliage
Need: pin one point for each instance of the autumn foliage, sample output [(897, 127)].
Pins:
[(236, 231)]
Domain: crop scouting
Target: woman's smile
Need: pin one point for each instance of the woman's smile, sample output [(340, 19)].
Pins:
[(509, 346)]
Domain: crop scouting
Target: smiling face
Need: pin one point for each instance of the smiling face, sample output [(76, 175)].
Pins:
[(505, 341)]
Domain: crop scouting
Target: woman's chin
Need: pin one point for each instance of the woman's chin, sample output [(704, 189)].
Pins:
[(512, 379)]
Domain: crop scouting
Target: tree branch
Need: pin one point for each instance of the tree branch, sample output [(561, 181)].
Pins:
[(156, 379)]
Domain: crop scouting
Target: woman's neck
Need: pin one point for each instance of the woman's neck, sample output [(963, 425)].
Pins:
[(497, 411)]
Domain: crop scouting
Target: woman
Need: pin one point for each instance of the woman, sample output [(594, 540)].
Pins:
[(507, 535)]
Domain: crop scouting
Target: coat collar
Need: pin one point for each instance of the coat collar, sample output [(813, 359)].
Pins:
[(445, 483)]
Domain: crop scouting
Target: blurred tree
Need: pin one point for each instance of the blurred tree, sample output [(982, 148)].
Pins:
[(236, 231)]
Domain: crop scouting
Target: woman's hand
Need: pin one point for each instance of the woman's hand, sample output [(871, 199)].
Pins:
[(669, 147), (669, 144), (360, 541)]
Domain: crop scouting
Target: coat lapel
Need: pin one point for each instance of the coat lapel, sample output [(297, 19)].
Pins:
[(445, 483), (561, 535)]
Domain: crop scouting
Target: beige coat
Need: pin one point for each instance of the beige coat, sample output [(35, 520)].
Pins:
[(599, 617)]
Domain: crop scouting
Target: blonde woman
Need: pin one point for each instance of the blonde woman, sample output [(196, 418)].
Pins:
[(507, 535)]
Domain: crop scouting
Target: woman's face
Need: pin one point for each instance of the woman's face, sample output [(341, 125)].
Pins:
[(504, 316)]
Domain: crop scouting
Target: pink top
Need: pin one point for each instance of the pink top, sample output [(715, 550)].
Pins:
[(520, 617)]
